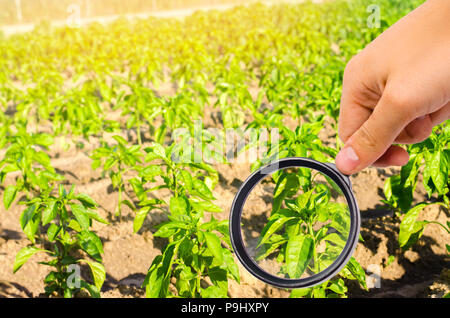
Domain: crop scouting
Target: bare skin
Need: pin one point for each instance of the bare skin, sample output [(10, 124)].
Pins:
[(396, 90)]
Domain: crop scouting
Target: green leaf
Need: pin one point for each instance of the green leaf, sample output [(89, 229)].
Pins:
[(416, 233), (178, 206), (43, 139), (92, 289), (86, 200), (356, 271), (398, 194), (42, 158), (280, 186), (9, 195), (47, 175), (96, 163), (109, 163), (407, 224), (140, 218), (98, 273), (214, 246), (336, 239), (299, 251), (271, 228), (287, 185), (128, 204), (205, 206), (338, 287), (91, 244), (120, 139), (186, 273), (162, 272), (68, 293), (23, 255), (213, 292), (29, 222), (201, 190), (300, 293), (318, 291), (292, 185), (409, 171), (150, 172), (131, 121), (80, 213), (116, 179), (439, 171), (61, 191), (187, 179), (230, 264), (49, 213), (154, 278), (274, 242), (138, 188), (159, 150), (219, 278), (390, 260), (74, 225), (53, 231), (170, 228), (94, 215), (303, 199)]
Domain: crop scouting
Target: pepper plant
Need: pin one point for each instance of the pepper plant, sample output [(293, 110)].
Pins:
[(117, 160), (431, 156), (24, 156), (198, 250), (66, 218), (306, 230)]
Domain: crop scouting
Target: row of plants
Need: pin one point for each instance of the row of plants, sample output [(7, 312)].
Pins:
[(57, 221)]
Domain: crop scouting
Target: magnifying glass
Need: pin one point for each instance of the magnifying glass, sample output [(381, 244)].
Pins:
[(295, 223)]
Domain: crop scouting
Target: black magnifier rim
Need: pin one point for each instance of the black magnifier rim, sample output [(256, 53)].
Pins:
[(236, 212)]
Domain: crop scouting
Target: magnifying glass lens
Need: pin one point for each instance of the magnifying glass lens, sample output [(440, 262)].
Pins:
[(295, 223)]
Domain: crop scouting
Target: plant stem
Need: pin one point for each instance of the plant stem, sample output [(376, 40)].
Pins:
[(174, 181), (139, 133), (119, 204), (311, 232)]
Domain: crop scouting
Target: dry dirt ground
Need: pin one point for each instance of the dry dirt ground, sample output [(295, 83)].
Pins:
[(420, 272)]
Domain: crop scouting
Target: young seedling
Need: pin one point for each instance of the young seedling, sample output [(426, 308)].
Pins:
[(117, 160), (138, 106)]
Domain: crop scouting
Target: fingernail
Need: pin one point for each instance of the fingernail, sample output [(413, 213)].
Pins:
[(347, 160)]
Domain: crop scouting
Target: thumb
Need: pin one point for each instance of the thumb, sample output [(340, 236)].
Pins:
[(375, 136)]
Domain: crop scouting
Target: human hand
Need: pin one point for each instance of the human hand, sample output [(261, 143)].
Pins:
[(396, 90)]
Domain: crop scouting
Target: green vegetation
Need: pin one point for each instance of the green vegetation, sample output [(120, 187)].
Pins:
[(256, 66)]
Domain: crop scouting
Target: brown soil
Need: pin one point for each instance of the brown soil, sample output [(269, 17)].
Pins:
[(420, 272)]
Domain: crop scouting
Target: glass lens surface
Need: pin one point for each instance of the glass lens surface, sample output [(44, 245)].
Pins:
[(295, 223)]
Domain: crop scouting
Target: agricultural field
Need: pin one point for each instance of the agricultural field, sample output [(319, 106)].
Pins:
[(94, 122)]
